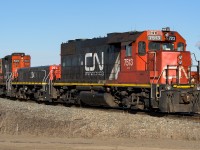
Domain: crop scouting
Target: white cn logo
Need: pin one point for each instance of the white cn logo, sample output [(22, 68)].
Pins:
[(95, 57)]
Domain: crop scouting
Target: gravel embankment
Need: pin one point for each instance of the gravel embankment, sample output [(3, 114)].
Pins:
[(25, 118)]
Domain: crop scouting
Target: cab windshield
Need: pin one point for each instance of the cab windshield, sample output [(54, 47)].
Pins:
[(161, 46)]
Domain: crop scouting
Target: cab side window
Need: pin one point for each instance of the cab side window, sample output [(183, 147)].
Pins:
[(141, 48), (180, 46), (128, 50)]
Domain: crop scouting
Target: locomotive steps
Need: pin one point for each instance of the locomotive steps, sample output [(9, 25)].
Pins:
[(22, 118)]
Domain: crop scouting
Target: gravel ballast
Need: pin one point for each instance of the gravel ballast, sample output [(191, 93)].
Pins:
[(25, 118)]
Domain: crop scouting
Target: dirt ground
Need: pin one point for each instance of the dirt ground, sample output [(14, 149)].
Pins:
[(14, 142), (30, 126)]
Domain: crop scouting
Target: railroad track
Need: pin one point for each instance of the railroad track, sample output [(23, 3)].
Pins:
[(195, 117), (178, 116)]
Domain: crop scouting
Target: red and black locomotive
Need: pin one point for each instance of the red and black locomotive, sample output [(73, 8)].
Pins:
[(139, 70)]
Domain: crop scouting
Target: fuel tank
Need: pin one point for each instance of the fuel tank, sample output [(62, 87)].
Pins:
[(97, 99)]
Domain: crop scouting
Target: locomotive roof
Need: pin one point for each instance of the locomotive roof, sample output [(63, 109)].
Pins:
[(123, 37), (112, 38), (115, 37), (14, 54)]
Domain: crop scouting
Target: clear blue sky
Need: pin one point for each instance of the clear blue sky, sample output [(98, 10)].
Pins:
[(38, 27)]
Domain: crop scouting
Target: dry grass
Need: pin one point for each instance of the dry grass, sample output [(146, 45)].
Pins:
[(22, 118)]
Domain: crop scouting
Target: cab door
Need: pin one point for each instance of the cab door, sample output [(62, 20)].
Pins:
[(127, 57), (133, 66), (140, 56)]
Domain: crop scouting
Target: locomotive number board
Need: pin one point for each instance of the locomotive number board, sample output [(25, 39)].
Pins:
[(155, 38), (154, 35), (171, 38)]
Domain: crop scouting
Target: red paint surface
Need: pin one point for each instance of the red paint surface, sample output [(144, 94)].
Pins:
[(150, 68)]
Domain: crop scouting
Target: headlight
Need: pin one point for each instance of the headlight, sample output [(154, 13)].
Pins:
[(180, 59), (180, 62)]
